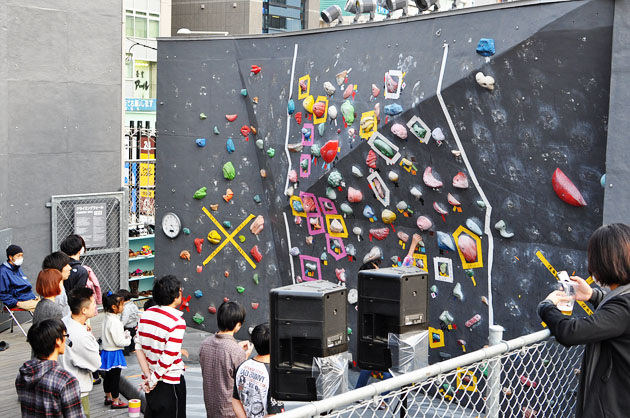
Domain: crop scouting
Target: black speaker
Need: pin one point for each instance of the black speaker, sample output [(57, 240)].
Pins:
[(391, 300), (308, 320)]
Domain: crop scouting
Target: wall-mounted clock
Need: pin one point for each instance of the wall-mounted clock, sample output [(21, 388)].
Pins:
[(171, 225)]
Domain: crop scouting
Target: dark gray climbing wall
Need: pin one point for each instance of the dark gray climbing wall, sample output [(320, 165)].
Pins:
[(548, 110)]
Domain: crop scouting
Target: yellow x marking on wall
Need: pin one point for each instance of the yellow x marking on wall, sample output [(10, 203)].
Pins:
[(228, 238)]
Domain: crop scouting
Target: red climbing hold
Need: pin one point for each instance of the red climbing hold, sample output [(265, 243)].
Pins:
[(245, 130), (255, 252), (298, 117), (255, 305), (468, 247), (308, 204), (231, 118), (566, 190), (198, 244), (329, 151), (319, 109), (212, 309), (255, 69), (199, 269), (379, 233), (226, 299), (371, 159)]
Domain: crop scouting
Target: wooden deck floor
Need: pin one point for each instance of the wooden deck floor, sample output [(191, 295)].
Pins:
[(17, 354)]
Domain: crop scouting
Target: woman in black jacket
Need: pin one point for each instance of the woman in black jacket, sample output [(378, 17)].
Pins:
[(605, 372)]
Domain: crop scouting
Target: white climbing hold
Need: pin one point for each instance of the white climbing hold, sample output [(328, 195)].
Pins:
[(485, 81), (438, 135), (502, 228), (329, 88), (356, 171)]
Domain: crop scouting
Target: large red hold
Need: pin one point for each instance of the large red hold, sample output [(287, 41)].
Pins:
[(255, 69), (319, 108), (245, 130), (566, 190), (468, 247), (255, 252), (379, 233), (329, 151)]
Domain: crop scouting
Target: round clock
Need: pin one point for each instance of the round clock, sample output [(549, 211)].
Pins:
[(171, 225)]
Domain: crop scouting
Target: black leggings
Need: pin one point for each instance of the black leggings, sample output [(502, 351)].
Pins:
[(111, 381)]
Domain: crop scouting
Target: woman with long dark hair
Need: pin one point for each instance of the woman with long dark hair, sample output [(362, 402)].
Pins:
[(605, 372)]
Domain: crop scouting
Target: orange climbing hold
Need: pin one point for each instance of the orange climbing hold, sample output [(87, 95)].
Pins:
[(229, 194), (185, 255)]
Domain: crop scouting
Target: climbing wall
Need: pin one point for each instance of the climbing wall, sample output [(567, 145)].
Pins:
[(482, 131)]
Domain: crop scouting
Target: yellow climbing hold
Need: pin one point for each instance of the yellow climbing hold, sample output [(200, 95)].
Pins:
[(214, 237), (388, 216), (308, 104)]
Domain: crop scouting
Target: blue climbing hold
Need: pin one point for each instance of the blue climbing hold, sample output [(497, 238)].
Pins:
[(244, 92), (297, 206), (393, 109), (445, 241), (368, 212), (198, 293), (230, 146), (485, 47), (216, 130), (291, 107), (602, 181), (306, 133), (201, 142), (321, 128)]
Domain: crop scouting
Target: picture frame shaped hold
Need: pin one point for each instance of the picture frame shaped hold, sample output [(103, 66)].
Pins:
[(398, 75), (376, 136), (416, 120), (342, 249), (307, 79), (447, 274), (374, 177)]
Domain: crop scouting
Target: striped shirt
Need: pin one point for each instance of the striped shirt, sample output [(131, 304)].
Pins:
[(160, 335)]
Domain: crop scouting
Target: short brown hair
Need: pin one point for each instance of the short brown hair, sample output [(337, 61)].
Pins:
[(609, 254), (47, 284)]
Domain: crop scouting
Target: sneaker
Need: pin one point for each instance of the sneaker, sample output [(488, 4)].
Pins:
[(97, 381), (119, 405), (108, 401)]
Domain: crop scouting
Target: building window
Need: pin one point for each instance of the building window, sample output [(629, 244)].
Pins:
[(129, 25), (140, 27), (129, 67), (154, 28), (283, 15), (278, 22)]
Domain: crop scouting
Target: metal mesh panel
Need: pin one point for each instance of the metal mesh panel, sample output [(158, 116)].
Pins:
[(109, 262), (539, 380)]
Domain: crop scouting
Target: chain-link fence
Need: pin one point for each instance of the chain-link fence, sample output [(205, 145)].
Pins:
[(531, 376), (139, 175), (101, 219)]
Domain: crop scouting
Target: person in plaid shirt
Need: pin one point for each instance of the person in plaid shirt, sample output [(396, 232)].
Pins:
[(43, 387)]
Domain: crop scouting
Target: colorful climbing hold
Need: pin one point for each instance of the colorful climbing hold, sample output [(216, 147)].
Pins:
[(260, 144), (255, 69), (271, 152), (453, 201), (201, 142), (368, 212), (319, 108), (231, 118), (214, 237), (245, 130), (415, 192), (354, 195), (308, 103), (379, 233), (329, 151), (371, 159), (255, 278), (255, 305), (198, 318), (198, 293), (424, 223), (445, 241), (393, 109), (400, 131), (228, 171), (199, 269), (291, 107), (502, 228), (244, 92), (439, 208), (485, 47), (199, 244), (257, 199), (375, 90), (186, 231), (566, 190), (468, 247), (329, 88), (332, 112), (216, 130), (257, 226), (298, 117), (240, 289), (185, 255), (255, 252), (384, 148), (321, 128), (485, 81), (474, 225), (241, 238), (347, 110), (335, 178), (331, 194), (203, 116), (200, 193), (227, 224), (229, 145), (229, 194), (388, 216), (348, 91), (346, 209), (430, 180), (460, 180)]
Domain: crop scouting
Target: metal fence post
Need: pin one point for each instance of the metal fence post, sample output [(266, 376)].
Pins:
[(493, 402)]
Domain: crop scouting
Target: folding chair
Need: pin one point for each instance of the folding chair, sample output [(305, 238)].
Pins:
[(11, 311)]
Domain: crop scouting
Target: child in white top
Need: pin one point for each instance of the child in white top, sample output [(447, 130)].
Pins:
[(130, 317), (115, 338)]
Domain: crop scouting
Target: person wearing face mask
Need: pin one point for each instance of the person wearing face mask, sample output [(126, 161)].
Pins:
[(74, 247), (15, 290)]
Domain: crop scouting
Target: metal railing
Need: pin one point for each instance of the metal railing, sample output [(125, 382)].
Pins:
[(530, 376)]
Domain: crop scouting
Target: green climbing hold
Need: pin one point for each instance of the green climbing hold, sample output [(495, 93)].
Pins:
[(216, 130), (228, 171), (203, 116), (315, 151), (200, 193), (304, 164), (349, 331), (330, 193), (257, 199), (346, 209), (419, 131), (384, 148), (186, 231), (227, 224), (255, 278), (335, 178), (481, 204), (347, 110), (198, 318), (470, 273), (434, 289), (244, 92), (240, 289), (241, 238), (321, 128), (271, 152), (260, 144)]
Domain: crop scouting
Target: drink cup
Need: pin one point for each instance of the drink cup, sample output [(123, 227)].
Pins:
[(568, 287)]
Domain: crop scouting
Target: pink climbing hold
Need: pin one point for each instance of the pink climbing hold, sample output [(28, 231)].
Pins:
[(258, 225), (566, 190), (341, 275), (308, 203), (424, 223), (399, 130), (231, 118), (453, 201), (255, 305), (430, 180), (348, 91), (460, 181), (390, 84), (293, 178), (468, 247), (439, 208), (354, 195), (375, 90)]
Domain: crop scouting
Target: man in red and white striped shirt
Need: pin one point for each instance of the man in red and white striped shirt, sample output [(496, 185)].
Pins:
[(158, 348)]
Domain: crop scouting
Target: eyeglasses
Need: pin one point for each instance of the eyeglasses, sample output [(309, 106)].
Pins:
[(68, 343), (66, 335)]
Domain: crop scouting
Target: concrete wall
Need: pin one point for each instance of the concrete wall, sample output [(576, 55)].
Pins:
[(60, 111), (234, 16)]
